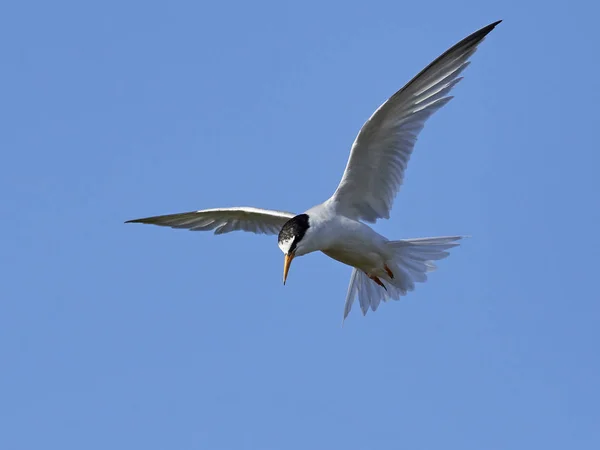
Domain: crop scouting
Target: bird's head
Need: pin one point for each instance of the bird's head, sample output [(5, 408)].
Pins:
[(292, 240)]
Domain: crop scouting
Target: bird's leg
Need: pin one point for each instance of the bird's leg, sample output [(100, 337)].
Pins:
[(389, 272), (377, 280)]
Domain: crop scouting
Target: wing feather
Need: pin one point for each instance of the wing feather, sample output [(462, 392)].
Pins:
[(224, 220), (380, 153)]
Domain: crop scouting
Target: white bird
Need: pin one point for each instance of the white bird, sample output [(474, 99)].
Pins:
[(383, 269)]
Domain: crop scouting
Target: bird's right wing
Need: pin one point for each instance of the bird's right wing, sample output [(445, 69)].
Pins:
[(224, 220)]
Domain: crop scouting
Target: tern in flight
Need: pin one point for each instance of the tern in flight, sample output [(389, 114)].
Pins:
[(382, 269)]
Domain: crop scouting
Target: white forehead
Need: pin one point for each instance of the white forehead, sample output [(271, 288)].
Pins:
[(286, 244)]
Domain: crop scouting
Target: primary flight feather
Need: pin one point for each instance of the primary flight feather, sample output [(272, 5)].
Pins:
[(382, 269)]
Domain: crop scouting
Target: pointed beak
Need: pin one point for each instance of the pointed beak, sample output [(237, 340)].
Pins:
[(286, 265)]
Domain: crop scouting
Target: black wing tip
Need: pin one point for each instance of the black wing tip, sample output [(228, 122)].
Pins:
[(137, 221), (474, 39), (485, 30), (154, 220)]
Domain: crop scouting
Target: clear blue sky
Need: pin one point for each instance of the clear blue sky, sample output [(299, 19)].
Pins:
[(118, 336)]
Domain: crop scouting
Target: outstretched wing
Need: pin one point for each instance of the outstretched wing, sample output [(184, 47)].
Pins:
[(224, 220), (381, 151)]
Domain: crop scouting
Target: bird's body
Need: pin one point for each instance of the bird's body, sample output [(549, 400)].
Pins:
[(383, 269), (348, 241)]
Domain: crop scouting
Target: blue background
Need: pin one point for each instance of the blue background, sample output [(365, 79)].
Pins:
[(118, 336)]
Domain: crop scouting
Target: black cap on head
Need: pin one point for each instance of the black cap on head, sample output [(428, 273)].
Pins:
[(292, 232)]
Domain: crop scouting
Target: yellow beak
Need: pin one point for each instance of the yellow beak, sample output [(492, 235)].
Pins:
[(286, 265)]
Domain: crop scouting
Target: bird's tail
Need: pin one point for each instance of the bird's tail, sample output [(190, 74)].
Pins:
[(412, 259)]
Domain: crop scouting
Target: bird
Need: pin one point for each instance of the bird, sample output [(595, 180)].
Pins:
[(382, 269)]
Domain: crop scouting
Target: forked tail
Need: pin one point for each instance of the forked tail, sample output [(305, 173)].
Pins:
[(412, 259)]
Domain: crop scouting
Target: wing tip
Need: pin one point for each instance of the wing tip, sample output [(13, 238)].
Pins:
[(474, 39), (488, 28), (146, 220)]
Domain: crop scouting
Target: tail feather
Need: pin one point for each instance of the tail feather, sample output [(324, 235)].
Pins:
[(412, 259), (352, 287)]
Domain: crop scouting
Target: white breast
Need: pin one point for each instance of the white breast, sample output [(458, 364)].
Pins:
[(348, 241)]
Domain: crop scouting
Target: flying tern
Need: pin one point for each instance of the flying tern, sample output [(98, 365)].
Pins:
[(382, 269)]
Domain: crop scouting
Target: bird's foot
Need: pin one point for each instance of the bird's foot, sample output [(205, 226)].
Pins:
[(377, 280), (389, 272)]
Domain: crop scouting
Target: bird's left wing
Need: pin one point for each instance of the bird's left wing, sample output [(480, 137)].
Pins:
[(380, 153), (224, 220)]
